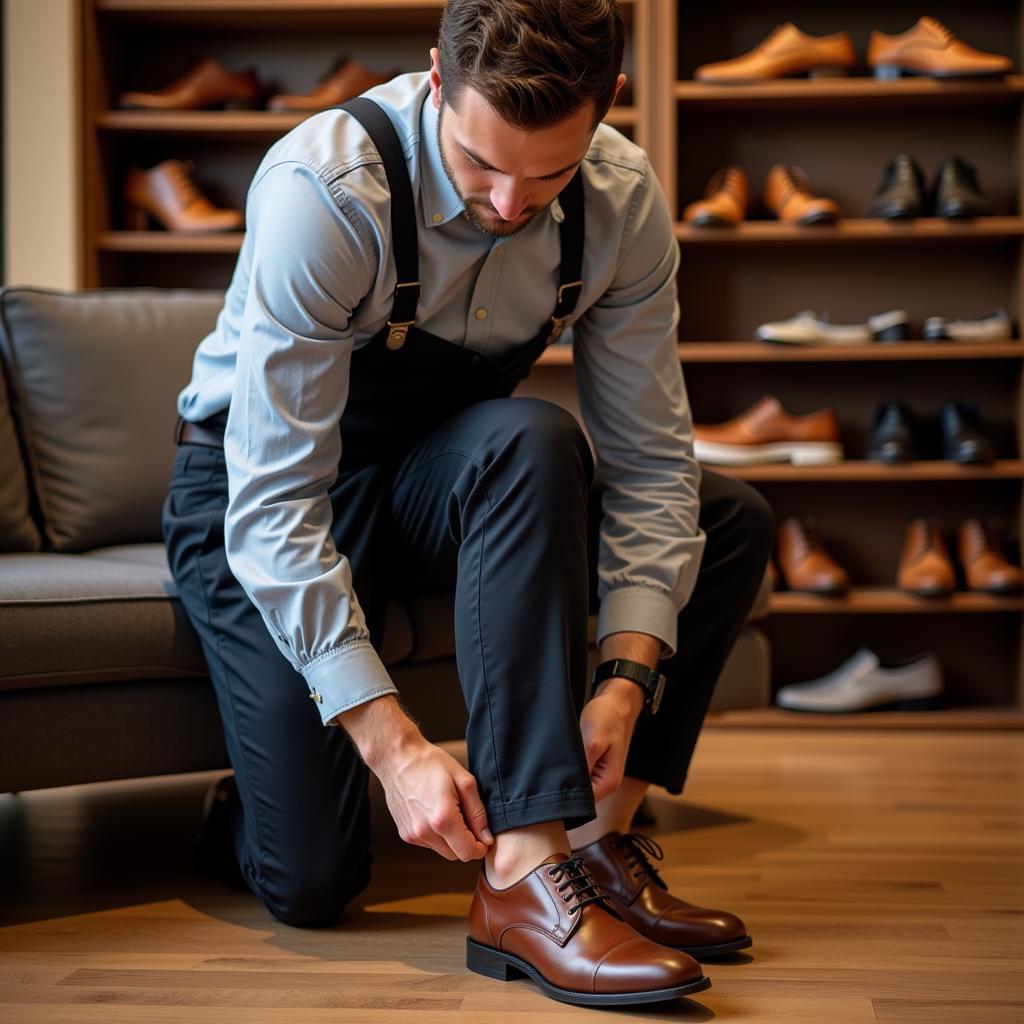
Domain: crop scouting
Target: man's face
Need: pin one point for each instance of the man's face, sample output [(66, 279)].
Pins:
[(505, 176)]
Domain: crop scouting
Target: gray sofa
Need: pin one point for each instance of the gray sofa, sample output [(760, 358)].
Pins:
[(101, 674)]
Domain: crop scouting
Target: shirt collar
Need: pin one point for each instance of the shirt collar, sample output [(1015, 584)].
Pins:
[(439, 202)]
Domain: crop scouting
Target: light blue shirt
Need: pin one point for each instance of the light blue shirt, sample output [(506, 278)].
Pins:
[(314, 280)]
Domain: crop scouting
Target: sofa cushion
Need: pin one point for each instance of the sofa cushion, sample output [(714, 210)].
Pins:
[(17, 530), (94, 377)]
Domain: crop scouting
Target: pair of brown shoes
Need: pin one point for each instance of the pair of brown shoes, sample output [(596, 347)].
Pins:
[(927, 48), (598, 927), (787, 195), (209, 84), (926, 567)]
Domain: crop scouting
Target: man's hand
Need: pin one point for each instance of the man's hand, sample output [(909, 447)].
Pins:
[(432, 798), (606, 725)]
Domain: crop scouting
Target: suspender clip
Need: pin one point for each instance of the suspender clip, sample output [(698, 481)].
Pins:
[(397, 333), (557, 327)]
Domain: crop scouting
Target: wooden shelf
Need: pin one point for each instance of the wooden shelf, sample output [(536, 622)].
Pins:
[(855, 230), (946, 718), (886, 601), (857, 471), (853, 93), (170, 241)]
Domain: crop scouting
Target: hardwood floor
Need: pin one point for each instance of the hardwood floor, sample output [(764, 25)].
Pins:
[(881, 875)]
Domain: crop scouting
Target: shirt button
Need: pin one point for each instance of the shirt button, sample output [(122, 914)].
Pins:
[(437, 218), (481, 313)]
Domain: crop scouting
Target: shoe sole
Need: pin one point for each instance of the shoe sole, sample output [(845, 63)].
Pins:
[(910, 704), (493, 963), (800, 453), (721, 949)]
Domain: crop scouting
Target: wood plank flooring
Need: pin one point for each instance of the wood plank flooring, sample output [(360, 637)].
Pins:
[(881, 874)]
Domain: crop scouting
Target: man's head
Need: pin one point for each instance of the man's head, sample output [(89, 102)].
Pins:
[(521, 86)]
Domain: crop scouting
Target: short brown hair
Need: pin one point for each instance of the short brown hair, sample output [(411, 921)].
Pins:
[(536, 62)]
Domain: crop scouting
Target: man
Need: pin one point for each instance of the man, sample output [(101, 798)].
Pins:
[(348, 432)]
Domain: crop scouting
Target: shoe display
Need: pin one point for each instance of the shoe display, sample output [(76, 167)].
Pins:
[(347, 78), (963, 438), (809, 328), (767, 433), (634, 888), (955, 191), (558, 927), (929, 48), (991, 327), (724, 203), (863, 683), (925, 568), (787, 194), (985, 565), (893, 435), (168, 194), (804, 562), (901, 191), (208, 84), (787, 51)]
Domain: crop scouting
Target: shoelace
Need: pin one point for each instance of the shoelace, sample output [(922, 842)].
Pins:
[(187, 188), (725, 179), (637, 849), (574, 876), (946, 34)]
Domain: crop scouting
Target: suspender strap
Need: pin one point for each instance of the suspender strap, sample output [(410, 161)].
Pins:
[(571, 235), (404, 241)]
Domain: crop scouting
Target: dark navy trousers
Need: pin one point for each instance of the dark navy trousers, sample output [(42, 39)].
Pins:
[(500, 504)]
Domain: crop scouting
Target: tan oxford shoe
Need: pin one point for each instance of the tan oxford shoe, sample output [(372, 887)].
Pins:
[(168, 194), (925, 568), (208, 84), (805, 563), (787, 194), (725, 200), (986, 567), (557, 927), (348, 78), (929, 48), (787, 51)]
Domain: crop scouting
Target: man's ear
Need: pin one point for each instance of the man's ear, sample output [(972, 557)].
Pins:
[(435, 76), (620, 82)]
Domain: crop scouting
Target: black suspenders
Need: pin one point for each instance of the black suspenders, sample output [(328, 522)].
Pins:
[(404, 235)]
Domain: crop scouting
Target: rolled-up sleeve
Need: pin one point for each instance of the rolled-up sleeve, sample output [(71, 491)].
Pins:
[(310, 263), (635, 408)]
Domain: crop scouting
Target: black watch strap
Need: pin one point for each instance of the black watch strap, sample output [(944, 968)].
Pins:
[(649, 679)]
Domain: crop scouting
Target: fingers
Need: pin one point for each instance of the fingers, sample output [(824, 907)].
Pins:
[(473, 810)]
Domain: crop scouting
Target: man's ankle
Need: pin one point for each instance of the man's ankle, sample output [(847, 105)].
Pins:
[(518, 851)]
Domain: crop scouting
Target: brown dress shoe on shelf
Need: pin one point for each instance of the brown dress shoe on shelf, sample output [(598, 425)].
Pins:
[(986, 567), (208, 84), (557, 927), (929, 48), (724, 203), (636, 890), (168, 194), (346, 79), (787, 194), (805, 564), (767, 433), (787, 51), (925, 568)]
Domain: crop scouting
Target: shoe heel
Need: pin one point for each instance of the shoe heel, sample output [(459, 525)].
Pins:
[(489, 962), (888, 71), (827, 71), (135, 218)]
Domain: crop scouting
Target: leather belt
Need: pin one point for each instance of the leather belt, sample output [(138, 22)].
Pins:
[(186, 432)]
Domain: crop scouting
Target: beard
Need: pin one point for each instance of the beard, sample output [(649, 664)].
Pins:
[(473, 203)]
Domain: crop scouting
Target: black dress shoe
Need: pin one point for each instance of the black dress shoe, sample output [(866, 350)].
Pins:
[(956, 192), (901, 192), (892, 438), (214, 853), (963, 439)]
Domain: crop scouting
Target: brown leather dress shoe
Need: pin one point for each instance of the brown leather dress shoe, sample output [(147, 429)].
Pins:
[(208, 84), (787, 51), (925, 566), (929, 48), (619, 863), (986, 567), (787, 194), (767, 433), (346, 79), (557, 927), (724, 203), (168, 194), (805, 564)]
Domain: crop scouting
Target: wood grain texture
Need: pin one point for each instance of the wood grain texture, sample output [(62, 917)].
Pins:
[(881, 874)]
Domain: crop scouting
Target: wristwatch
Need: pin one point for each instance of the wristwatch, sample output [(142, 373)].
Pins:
[(650, 680)]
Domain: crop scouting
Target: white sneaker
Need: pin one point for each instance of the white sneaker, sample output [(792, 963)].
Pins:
[(863, 683), (808, 328)]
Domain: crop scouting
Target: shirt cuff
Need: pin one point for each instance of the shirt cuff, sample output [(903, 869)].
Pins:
[(346, 677), (639, 610)]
